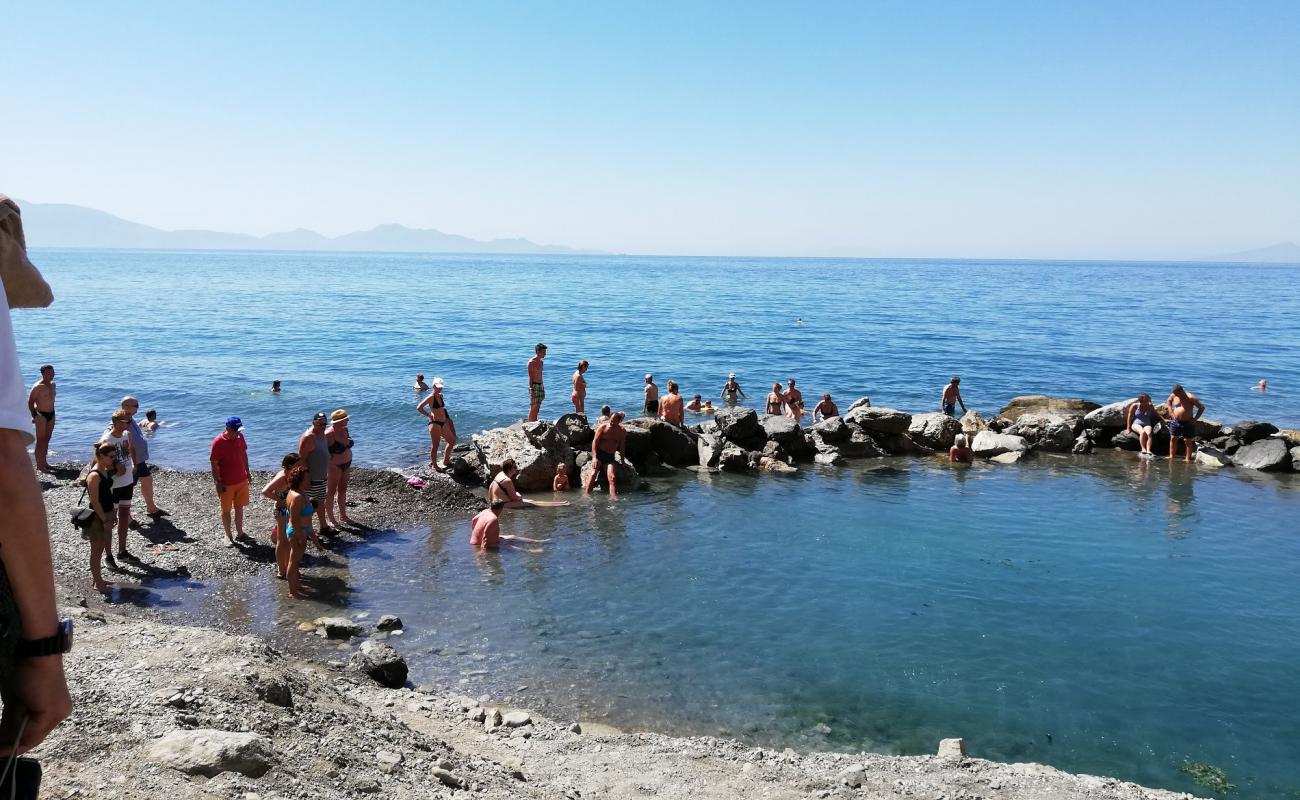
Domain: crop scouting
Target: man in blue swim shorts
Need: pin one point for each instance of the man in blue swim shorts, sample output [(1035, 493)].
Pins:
[(1184, 410)]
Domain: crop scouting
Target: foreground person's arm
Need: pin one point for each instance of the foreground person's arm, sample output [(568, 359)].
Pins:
[(38, 688)]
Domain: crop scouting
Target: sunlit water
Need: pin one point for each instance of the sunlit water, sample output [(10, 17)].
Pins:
[(1101, 615)]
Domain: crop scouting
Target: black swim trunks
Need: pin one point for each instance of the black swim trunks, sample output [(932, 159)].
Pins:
[(604, 459), (651, 408), (49, 415)]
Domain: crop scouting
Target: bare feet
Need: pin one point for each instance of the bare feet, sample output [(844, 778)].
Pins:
[(103, 587)]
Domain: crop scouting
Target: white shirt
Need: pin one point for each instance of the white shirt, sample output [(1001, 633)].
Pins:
[(125, 479), (14, 413)]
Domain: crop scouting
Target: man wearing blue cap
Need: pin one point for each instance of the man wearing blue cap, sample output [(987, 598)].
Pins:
[(229, 457)]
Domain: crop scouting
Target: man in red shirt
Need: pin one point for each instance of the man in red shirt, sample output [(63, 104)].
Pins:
[(229, 457)]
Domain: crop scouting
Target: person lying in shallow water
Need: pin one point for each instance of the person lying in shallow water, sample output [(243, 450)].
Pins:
[(485, 531), (503, 489)]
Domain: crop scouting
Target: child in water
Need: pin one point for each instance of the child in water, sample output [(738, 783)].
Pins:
[(151, 422), (561, 483)]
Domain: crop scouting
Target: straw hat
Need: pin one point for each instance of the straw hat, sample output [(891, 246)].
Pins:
[(338, 416)]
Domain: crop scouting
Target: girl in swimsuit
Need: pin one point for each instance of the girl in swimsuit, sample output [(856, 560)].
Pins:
[(441, 428), (579, 396), (276, 491), (775, 400), (339, 444), (299, 529)]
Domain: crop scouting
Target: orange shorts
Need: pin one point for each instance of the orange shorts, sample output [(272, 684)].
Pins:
[(235, 496)]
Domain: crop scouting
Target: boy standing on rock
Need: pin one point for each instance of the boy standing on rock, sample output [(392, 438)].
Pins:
[(536, 390), (951, 398)]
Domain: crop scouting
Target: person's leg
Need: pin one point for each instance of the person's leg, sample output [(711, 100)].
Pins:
[(448, 436), (1173, 445), (592, 478), (146, 490), (331, 491), (97, 581), (435, 436), (225, 521), (344, 477), (613, 484), (240, 500), (43, 428), (1189, 447), (281, 546), (532, 411), (123, 525), (297, 545)]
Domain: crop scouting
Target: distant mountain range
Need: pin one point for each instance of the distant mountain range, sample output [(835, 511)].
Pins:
[(1282, 253), (60, 225)]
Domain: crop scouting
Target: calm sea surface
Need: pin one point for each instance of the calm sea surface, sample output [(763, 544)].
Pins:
[(1101, 615)]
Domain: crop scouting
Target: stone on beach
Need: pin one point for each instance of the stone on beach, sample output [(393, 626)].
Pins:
[(212, 752), (1042, 404), (935, 430), (988, 444), (708, 449), (517, 719), (879, 420), (952, 748), (381, 662), (388, 622), (1267, 455)]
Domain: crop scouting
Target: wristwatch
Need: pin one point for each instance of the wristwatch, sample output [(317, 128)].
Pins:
[(60, 642)]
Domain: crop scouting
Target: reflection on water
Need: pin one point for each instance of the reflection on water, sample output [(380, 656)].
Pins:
[(1120, 606)]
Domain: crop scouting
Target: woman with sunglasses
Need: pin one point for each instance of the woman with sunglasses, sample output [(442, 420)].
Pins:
[(99, 489)]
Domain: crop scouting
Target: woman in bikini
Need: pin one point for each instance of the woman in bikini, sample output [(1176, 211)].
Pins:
[(99, 488), (441, 428), (776, 400), (299, 528), (579, 396), (277, 490), (339, 444)]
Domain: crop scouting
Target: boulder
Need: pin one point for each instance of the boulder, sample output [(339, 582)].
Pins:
[(517, 719), (972, 423), (1295, 458), (708, 449), (879, 420), (1082, 445), (1051, 432), (737, 423), (650, 466), (536, 448), (775, 451), (952, 748), (381, 662), (900, 444), (773, 465), (1126, 440), (575, 431), (674, 444), (834, 459), (1208, 428), (733, 459), (1269, 455), (859, 403), (212, 752), (1111, 415), (988, 444), (1292, 437), (1250, 431), (1009, 457), (336, 627), (1211, 456), (780, 429), (389, 622), (861, 445), (1042, 404), (639, 440), (626, 475), (832, 429), (935, 430)]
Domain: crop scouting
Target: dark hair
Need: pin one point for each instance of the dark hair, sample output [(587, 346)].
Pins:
[(955, 379), (1144, 396), (508, 465), (1178, 387), (297, 474), (497, 505), (289, 460), (150, 414), (540, 346), (698, 397), (672, 386), (45, 367), (605, 411), (105, 448), (583, 363), (419, 376), (826, 396), (776, 386)]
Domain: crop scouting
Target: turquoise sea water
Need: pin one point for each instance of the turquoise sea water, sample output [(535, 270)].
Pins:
[(1140, 614)]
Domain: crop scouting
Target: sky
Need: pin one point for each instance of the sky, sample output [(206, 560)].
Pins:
[(921, 129)]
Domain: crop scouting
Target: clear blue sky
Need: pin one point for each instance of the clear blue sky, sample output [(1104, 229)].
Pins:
[(1039, 129)]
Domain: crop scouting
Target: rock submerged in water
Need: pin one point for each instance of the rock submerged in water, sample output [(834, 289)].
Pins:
[(212, 752), (1267, 455), (336, 627)]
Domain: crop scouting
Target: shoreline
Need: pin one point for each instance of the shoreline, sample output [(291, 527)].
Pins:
[(736, 769)]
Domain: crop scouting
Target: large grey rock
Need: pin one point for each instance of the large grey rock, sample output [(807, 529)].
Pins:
[(1111, 415), (733, 459), (675, 445), (935, 431), (776, 451), (639, 439), (879, 420), (517, 719), (336, 627), (988, 444), (708, 449), (737, 423), (859, 403), (1269, 455), (381, 662), (1083, 444), (626, 475), (861, 445), (780, 429), (1295, 458), (832, 429), (575, 430), (1042, 404), (1211, 456), (389, 622), (972, 423), (1250, 431), (1051, 432), (536, 449), (212, 752), (901, 444), (833, 458)]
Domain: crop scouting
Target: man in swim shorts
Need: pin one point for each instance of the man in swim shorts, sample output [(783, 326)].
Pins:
[(229, 458), (40, 401), (1184, 410), (651, 406), (314, 451), (951, 398), (536, 390), (610, 442)]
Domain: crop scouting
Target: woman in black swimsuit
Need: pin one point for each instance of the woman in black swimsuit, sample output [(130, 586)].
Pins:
[(340, 446), (441, 428)]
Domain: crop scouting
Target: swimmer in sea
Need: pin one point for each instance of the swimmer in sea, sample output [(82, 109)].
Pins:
[(696, 404), (1262, 386), (561, 482), (275, 387), (1141, 417), (730, 390), (151, 422), (609, 445), (670, 406), (825, 409), (776, 400), (485, 530), (420, 385), (1184, 410), (708, 407), (503, 488), (960, 452), (651, 407), (579, 396)]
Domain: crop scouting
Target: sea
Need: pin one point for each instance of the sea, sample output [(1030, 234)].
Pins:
[(1100, 614)]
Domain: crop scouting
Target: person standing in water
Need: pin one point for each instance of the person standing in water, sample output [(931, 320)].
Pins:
[(536, 388), (420, 385), (579, 396), (40, 401), (651, 405), (671, 405), (277, 491), (960, 452), (776, 400), (441, 428), (340, 447), (609, 444), (730, 389), (951, 398), (1140, 417), (314, 454), (825, 409), (1184, 410), (794, 401), (301, 507)]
